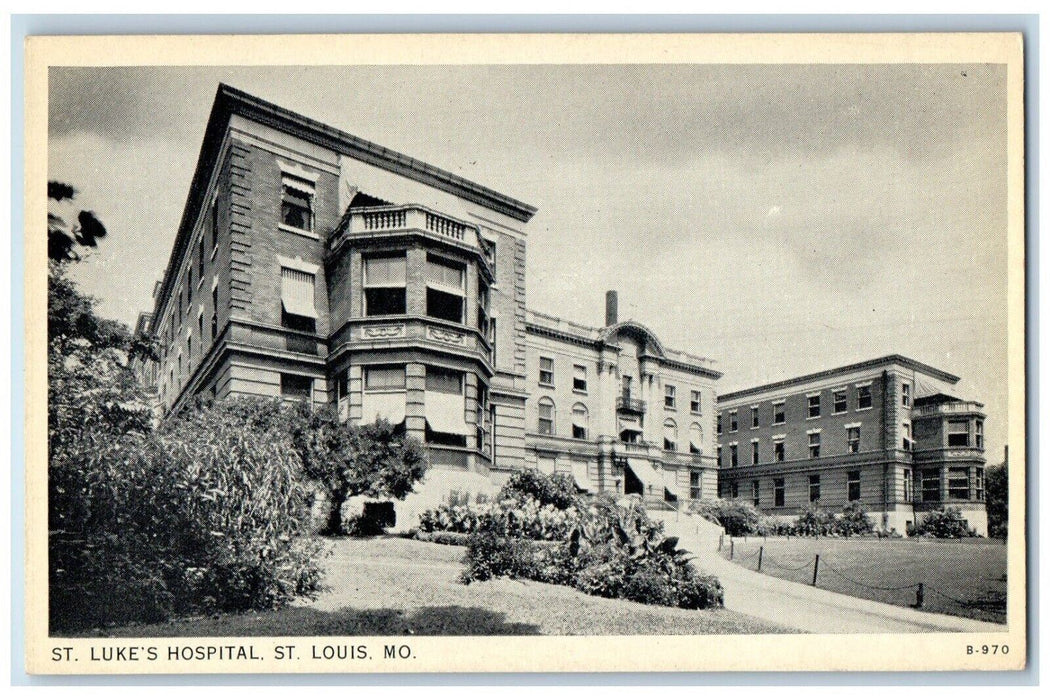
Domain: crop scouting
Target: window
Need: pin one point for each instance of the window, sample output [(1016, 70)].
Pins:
[(445, 289), (754, 452), (978, 484), (733, 458), (732, 421), (547, 371), (853, 439), (670, 435), (200, 327), (906, 436), (386, 378), (814, 445), (979, 434), (669, 396), (754, 493), (931, 485), (200, 259), (906, 395), (839, 398), (297, 300), (778, 412), (909, 493), (754, 416), (444, 381), (718, 427), (778, 493), (696, 439), (695, 484), (214, 307), (958, 433), (295, 387), (546, 417), (580, 419), (734, 490), (813, 403), (959, 483), (214, 226), (342, 384), (579, 378), (853, 486), (695, 405), (297, 203), (719, 455), (778, 450), (863, 397), (483, 308), (814, 488), (385, 285)]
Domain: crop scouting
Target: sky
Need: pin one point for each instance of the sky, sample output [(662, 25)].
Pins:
[(778, 219)]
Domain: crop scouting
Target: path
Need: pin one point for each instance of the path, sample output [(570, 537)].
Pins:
[(800, 606)]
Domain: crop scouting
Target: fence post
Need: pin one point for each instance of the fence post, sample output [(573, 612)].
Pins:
[(760, 558), (920, 594), (720, 538), (731, 543), (816, 567)]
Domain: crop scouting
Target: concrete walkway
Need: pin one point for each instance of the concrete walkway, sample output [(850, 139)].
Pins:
[(797, 605)]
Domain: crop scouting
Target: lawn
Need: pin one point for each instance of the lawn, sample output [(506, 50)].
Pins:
[(390, 585), (961, 577)]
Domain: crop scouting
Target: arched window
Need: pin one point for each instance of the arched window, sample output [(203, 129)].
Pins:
[(696, 439), (580, 420), (670, 435), (546, 417)]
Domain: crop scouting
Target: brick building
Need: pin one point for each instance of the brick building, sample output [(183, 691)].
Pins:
[(887, 433), (315, 266)]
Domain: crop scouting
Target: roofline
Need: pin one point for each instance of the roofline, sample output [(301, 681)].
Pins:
[(602, 339), (230, 101), (827, 373)]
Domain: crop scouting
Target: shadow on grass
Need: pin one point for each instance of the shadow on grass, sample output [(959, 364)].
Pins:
[(449, 620)]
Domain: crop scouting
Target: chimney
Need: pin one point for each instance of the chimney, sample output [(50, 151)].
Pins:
[(610, 308)]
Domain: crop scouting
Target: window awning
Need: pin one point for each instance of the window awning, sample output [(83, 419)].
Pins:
[(386, 404), (580, 476), (445, 413), (652, 478), (297, 292)]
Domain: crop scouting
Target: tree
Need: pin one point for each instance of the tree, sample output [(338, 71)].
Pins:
[(345, 460), (64, 239), (996, 488)]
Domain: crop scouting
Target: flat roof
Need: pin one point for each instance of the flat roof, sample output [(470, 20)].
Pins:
[(230, 101), (856, 367)]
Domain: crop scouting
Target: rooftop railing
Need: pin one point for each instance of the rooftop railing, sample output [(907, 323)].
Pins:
[(949, 407), (393, 219)]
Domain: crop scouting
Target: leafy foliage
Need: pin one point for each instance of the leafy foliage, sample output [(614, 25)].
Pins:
[(64, 239), (996, 490), (613, 551), (558, 490), (507, 518), (945, 522), (199, 518), (736, 517)]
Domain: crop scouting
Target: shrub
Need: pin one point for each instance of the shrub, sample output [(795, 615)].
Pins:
[(814, 522), (450, 538), (558, 491), (945, 522), (737, 517), (491, 556), (201, 518), (508, 518), (853, 521)]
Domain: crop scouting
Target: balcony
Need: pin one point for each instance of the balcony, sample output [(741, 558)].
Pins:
[(951, 407), (626, 404), (406, 219)]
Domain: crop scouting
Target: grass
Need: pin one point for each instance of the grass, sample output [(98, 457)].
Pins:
[(961, 577), (389, 585)]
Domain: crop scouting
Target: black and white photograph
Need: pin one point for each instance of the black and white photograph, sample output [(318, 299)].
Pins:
[(346, 358)]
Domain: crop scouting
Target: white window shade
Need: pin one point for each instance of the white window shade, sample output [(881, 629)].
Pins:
[(445, 413), (445, 277), (581, 476), (389, 405), (385, 272), (696, 438), (580, 416), (297, 292)]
